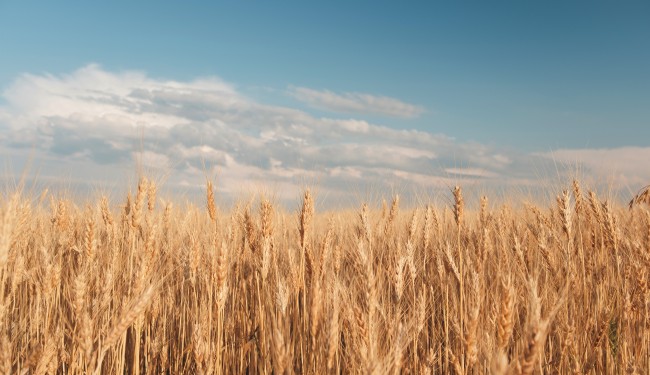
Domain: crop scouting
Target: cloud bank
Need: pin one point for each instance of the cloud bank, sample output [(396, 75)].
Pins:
[(96, 122)]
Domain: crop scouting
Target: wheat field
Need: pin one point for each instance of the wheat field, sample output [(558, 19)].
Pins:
[(142, 286)]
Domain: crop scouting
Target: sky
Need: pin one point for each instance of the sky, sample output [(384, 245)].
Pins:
[(363, 95)]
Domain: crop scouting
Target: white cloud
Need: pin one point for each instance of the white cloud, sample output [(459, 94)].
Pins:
[(626, 166), (151, 159), (100, 121), (473, 172), (353, 102)]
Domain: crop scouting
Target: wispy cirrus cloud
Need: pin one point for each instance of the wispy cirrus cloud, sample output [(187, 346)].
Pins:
[(355, 103)]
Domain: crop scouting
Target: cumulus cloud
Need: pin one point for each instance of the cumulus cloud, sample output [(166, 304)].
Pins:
[(101, 121), (353, 102)]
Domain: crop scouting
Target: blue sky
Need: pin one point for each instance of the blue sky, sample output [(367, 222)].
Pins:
[(513, 79)]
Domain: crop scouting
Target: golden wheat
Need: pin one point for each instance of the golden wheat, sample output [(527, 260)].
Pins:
[(561, 289)]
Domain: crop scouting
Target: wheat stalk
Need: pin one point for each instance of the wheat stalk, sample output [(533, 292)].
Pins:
[(212, 209), (642, 197)]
